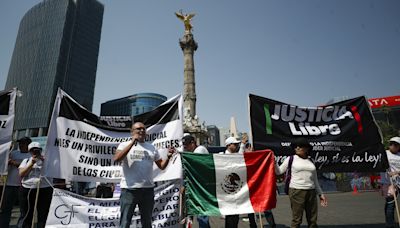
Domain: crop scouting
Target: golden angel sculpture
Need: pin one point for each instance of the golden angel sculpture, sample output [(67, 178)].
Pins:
[(186, 18)]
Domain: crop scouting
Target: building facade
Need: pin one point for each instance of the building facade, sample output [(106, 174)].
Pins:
[(213, 136), (132, 105), (57, 46)]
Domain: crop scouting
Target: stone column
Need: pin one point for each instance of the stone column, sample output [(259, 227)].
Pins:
[(189, 46)]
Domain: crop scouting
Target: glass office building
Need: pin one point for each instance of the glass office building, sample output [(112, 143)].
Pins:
[(132, 105), (57, 46)]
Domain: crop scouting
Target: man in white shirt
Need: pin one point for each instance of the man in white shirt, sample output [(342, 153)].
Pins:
[(137, 187), (12, 188), (232, 147)]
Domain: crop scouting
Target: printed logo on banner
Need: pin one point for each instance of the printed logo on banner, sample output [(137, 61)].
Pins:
[(65, 213), (71, 210)]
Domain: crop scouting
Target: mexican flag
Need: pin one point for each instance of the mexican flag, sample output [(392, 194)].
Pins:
[(228, 184)]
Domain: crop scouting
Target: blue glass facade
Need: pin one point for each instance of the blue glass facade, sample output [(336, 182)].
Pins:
[(132, 105), (57, 46)]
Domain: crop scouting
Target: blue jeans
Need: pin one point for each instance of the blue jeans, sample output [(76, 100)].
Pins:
[(144, 198), (389, 211), (203, 221), (10, 197)]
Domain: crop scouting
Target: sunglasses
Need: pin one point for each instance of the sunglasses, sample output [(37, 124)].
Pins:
[(393, 144)]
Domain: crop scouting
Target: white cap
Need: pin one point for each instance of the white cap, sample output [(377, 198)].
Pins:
[(231, 140), (395, 139), (201, 150), (34, 145)]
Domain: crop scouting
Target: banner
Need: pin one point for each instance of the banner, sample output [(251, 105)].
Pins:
[(80, 145), (229, 184), (69, 210), (7, 112), (344, 135)]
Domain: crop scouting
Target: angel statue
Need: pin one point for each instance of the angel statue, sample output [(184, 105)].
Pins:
[(186, 18)]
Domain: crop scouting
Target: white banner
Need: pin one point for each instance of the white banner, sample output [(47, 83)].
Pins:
[(69, 210), (80, 145), (7, 113)]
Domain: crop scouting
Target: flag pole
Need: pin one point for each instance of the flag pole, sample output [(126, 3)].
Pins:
[(2, 192), (35, 206), (259, 216)]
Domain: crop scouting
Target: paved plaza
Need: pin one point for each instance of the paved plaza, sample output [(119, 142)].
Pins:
[(363, 210)]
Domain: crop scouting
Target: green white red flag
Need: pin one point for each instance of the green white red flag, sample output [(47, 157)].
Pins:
[(226, 184)]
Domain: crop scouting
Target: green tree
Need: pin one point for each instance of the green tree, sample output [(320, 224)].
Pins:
[(388, 131)]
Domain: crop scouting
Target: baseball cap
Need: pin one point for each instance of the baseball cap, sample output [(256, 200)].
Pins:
[(26, 140), (34, 145), (395, 139), (187, 139), (231, 140)]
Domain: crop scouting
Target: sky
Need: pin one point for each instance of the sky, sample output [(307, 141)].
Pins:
[(299, 52)]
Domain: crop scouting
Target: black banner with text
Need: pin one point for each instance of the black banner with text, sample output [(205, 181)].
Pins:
[(344, 135)]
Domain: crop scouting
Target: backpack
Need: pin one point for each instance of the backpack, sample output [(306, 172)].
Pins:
[(288, 175)]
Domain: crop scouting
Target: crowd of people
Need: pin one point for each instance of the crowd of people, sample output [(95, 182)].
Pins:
[(137, 187)]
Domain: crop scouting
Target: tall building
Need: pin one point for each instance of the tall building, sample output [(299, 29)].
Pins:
[(213, 136), (132, 105), (57, 46)]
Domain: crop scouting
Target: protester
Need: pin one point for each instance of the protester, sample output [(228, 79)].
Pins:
[(13, 184), (137, 187), (304, 186), (232, 147), (33, 186), (390, 187), (190, 145)]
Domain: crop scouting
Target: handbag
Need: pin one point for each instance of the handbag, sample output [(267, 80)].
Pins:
[(288, 175)]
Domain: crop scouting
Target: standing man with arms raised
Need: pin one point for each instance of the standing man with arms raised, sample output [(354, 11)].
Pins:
[(137, 187)]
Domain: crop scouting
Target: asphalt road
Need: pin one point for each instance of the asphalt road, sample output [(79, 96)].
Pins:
[(362, 210)]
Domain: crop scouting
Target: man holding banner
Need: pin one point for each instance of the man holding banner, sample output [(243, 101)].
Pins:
[(137, 187), (12, 187)]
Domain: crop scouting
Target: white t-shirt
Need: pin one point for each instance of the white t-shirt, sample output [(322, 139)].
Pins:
[(13, 178), (137, 166), (304, 173), (32, 178), (394, 166), (394, 161)]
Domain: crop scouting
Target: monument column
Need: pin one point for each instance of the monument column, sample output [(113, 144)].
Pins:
[(191, 123), (189, 46)]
